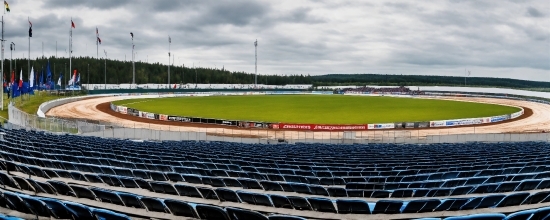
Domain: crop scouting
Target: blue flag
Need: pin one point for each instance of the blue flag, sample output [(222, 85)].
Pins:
[(41, 84)]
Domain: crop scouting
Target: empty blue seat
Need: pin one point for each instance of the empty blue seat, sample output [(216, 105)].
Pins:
[(536, 198), (130, 200), (488, 216), (521, 215), (106, 214), (513, 199), (154, 204), (227, 195), (321, 205), (490, 201), (280, 201), (241, 214), (352, 207), (299, 203), (420, 206), (285, 217), (211, 212), (180, 208), (387, 207)]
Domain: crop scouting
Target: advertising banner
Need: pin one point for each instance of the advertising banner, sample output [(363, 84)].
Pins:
[(435, 124), (178, 118), (422, 124), (133, 112), (150, 116), (163, 117), (380, 126), (499, 118), (121, 109), (469, 121), (313, 127), (114, 107)]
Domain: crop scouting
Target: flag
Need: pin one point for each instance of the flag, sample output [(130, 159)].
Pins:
[(31, 77), (169, 39), (59, 80), (74, 77), (7, 6), (41, 80), (77, 79), (21, 79), (48, 72), (97, 35), (72, 24), (132, 34), (30, 29), (12, 77)]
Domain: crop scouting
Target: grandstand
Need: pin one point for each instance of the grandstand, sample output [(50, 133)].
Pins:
[(75, 177)]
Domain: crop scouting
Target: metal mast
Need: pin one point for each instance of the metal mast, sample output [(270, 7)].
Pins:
[(256, 63), (169, 42)]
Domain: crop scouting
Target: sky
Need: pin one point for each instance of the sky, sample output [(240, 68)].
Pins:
[(507, 38)]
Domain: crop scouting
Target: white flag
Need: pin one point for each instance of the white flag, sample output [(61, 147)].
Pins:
[(59, 81), (31, 77)]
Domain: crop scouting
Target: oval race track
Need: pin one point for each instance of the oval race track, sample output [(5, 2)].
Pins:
[(538, 121)]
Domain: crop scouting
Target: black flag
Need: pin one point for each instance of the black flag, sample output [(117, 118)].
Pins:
[(132, 35), (30, 29)]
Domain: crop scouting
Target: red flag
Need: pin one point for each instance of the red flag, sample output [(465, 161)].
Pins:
[(99, 40), (174, 86), (74, 76), (72, 24)]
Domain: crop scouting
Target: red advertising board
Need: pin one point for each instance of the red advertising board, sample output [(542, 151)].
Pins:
[(314, 127)]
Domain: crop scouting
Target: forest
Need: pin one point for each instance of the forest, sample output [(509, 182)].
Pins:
[(118, 72)]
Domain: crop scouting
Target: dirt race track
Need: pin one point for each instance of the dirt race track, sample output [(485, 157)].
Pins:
[(536, 119)]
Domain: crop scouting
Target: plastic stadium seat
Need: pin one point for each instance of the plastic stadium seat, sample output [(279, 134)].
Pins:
[(162, 187), (513, 199), (299, 203), (321, 205), (61, 188), (230, 182), (58, 209), (521, 215), (488, 216), (262, 199), (227, 195), (337, 192), (154, 205), (83, 212), (318, 190), (527, 185), (130, 200), (387, 207), (352, 207), (247, 197), (451, 204), (107, 196), (211, 212), (37, 206), (186, 190), (462, 190), (402, 193), (419, 206), (490, 201), (143, 184), (208, 193), (280, 201), (541, 213), (241, 214), (180, 208), (271, 186), (472, 203), (285, 217), (536, 198), (83, 192), (106, 214)]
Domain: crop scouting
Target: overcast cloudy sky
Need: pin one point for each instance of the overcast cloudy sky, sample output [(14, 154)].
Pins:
[(507, 38)]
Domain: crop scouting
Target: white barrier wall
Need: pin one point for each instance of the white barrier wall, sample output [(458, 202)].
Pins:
[(46, 106)]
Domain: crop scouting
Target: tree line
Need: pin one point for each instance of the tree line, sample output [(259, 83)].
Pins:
[(118, 72)]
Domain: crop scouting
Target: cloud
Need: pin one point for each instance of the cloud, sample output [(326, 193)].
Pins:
[(300, 36)]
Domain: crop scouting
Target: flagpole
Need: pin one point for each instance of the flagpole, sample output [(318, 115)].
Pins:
[(29, 60), (169, 42), (70, 49), (2, 92), (133, 65)]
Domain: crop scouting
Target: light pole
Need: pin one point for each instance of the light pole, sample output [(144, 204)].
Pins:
[(105, 68)]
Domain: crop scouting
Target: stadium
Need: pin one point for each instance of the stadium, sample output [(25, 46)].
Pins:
[(360, 110)]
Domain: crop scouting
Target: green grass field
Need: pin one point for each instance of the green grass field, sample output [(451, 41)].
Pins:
[(318, 109)]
